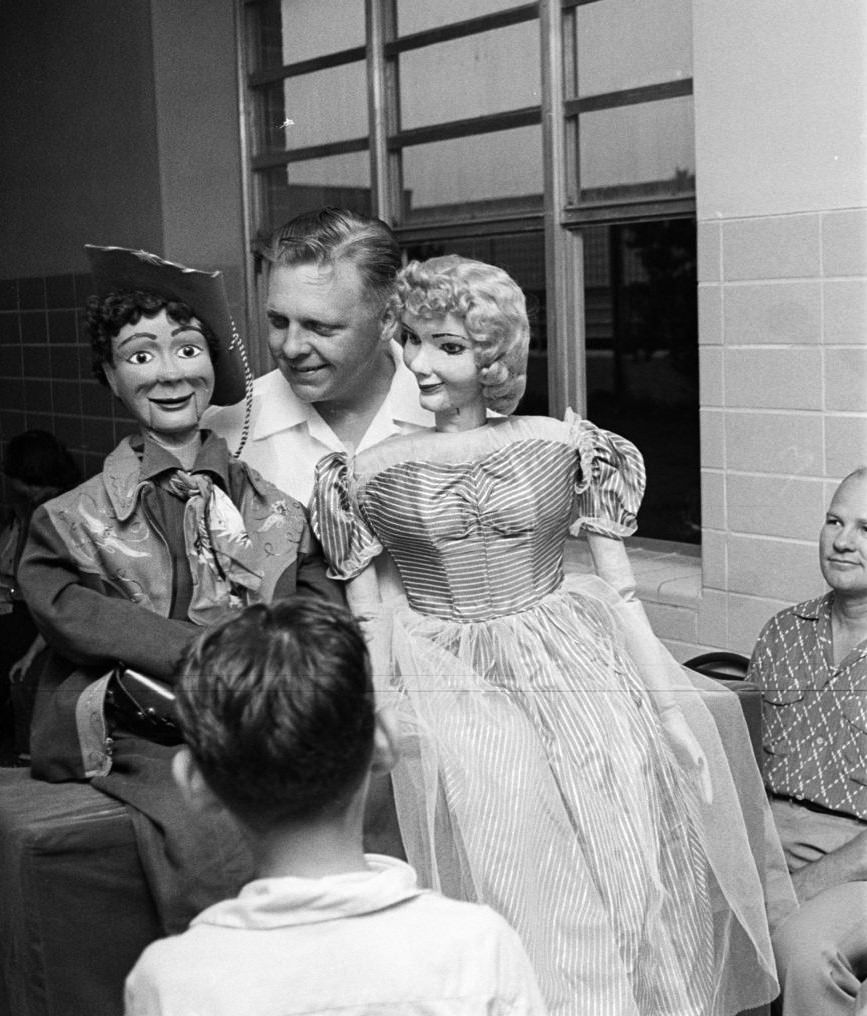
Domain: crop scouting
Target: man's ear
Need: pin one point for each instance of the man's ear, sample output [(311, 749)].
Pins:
[(196, 793), (386, 751), (388, 325)]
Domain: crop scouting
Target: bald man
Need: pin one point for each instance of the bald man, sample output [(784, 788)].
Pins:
[(811, 665)]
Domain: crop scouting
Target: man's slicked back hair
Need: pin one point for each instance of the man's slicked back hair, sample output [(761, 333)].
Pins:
[(333, 235)]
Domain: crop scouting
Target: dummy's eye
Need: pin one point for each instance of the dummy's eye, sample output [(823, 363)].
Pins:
[(453, 348), (189, 350), (408, 338), (140, 357)]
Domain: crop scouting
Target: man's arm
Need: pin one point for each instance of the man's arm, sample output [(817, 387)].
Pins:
[(845, 864)]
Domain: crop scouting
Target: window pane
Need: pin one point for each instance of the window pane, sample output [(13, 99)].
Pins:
[(485, 73), (654, 39), (293, 30), (443, 179), (302, 111), (304, 186), (419, 15), (522, 255), (641, 319), (648, 148)]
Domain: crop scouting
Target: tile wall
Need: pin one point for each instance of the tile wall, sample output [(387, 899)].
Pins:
[(783, 345), (45, 374)]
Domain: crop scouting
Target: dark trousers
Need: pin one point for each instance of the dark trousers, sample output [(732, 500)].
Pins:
[(190, 859)]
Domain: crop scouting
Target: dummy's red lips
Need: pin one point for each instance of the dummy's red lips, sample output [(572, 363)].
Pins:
[(431, 387)]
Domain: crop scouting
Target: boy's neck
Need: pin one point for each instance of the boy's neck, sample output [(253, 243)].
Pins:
[(326, 846)]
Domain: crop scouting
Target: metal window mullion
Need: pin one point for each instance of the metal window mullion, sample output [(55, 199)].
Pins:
[(375, 30), (563, 248), (395, 212), (252, 185)]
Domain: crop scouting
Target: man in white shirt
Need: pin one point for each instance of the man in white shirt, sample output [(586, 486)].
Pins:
[(340, 385)]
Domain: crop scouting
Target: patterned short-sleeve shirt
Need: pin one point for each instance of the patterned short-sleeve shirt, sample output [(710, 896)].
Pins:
[(815, 713)]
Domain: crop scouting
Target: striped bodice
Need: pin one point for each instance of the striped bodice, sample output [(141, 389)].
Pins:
[(479, 540), (476, 521)]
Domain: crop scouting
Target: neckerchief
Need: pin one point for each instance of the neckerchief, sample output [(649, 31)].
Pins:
[(221, 557)]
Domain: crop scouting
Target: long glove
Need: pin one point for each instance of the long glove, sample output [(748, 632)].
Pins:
[(612, 565)]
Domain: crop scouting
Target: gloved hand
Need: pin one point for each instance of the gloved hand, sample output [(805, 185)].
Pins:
[(687, 750)]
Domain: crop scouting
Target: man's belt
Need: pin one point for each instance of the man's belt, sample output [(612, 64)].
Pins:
[(820, 808)]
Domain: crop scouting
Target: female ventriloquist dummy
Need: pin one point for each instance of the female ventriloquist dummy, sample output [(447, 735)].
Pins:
[(557, 763), (173, 534)]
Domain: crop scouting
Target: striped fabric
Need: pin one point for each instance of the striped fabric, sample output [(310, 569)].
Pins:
[(535, 776)]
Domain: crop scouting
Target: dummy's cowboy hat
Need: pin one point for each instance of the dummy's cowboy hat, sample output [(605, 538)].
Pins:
[(120, 270)]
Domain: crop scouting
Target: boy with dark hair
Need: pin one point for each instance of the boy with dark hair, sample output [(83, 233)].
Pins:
[(278, 710)]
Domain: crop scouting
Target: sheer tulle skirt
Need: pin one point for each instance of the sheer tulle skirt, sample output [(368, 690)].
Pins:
[(536, 778)]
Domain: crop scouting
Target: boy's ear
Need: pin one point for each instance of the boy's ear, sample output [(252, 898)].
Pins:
[(195, 791), (385, 741)]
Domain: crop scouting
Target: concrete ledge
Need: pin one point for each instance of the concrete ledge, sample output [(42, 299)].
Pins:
[(665, 573)]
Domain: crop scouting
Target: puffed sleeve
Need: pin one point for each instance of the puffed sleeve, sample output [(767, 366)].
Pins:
[(347, 541), (610, 481)]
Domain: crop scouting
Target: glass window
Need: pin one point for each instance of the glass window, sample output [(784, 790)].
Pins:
[(300, 32), (645, 149), (301, 111), (420, 15), (484, 73), (448, 178), (656, 35), (641, 319), (303, 186)]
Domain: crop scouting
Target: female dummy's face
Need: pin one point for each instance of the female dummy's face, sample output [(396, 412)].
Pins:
[(441, 356), (162, 373)]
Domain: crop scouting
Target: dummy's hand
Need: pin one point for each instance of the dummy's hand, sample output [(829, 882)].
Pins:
[(687, 751), (18, 670)]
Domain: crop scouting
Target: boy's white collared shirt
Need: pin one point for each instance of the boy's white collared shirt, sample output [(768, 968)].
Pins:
[(358, 944)]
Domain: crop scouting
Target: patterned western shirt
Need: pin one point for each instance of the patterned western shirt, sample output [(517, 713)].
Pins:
[(815, 736)]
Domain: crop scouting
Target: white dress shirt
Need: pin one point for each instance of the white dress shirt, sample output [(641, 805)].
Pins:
[(288, 437)]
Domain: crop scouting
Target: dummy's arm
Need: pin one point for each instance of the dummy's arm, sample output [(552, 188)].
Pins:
[(365, 598), (612, 565), (362, 593), (85, 621)]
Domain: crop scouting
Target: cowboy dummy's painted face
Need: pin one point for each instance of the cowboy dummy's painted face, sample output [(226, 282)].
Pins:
[(441, 356), (162, 373)]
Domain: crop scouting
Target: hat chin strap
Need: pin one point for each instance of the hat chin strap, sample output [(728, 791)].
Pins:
[(236, 343)]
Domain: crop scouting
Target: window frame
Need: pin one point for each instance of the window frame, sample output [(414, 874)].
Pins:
[(561, 215)]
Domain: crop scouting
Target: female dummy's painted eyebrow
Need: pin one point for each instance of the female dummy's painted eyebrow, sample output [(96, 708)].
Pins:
[(449, 335)]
